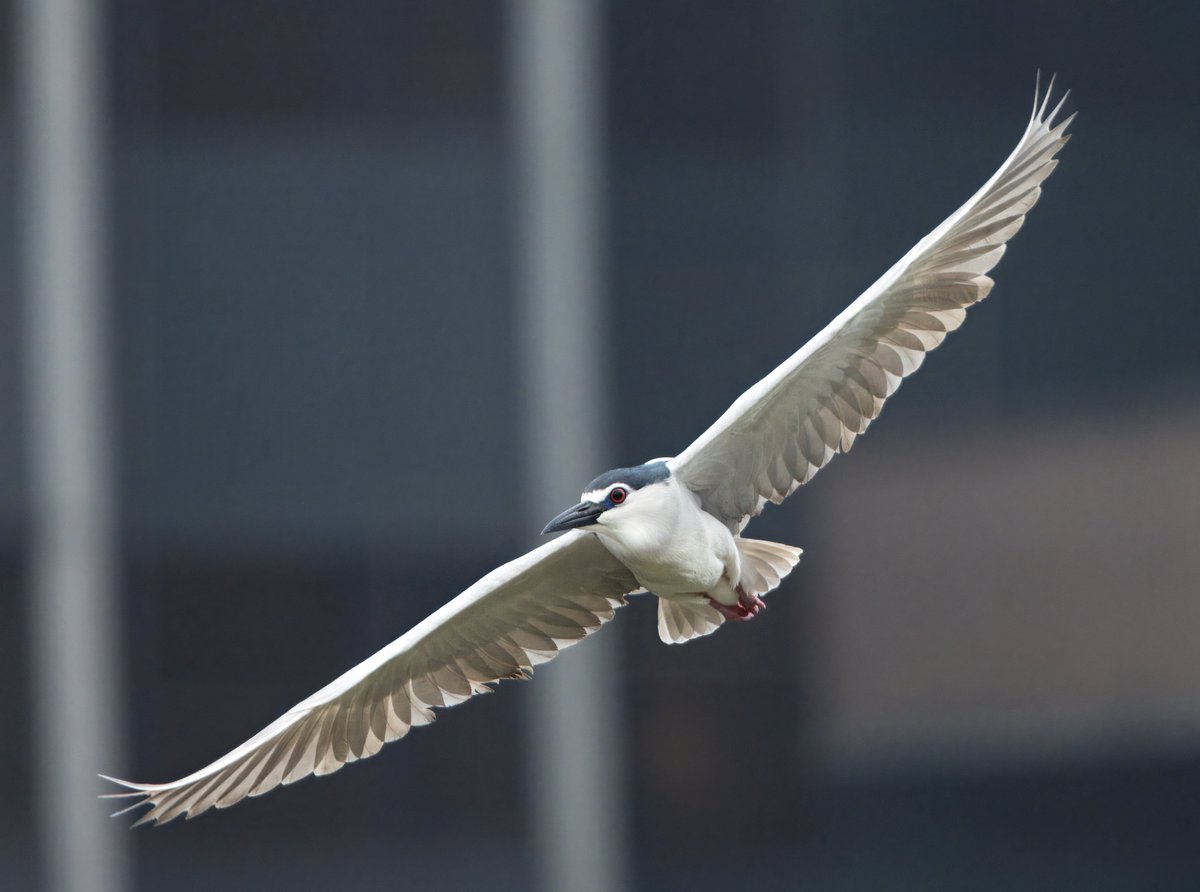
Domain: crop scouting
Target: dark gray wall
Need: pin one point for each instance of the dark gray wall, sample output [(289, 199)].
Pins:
[(313, 306)]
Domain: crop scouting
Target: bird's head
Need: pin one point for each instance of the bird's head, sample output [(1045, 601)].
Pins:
[(614, 492)]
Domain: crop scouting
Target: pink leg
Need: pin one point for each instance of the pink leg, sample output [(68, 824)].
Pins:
[(753, 603), (735, 613), (747, 607)]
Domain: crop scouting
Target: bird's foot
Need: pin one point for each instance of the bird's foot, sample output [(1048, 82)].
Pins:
[(747, 607), (751, 603), (734, 612)]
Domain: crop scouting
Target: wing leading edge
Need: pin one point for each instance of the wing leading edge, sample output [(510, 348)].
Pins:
[(789, 425), (518, 616)]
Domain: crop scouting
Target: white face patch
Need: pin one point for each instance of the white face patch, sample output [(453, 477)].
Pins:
[(599, 495)]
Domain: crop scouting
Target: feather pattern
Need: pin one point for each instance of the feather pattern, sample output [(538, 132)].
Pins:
[(789, 425), (516, 617), (774, 438)]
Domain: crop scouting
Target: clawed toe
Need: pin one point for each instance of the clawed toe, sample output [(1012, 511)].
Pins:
[(748, 607), (750, 602)]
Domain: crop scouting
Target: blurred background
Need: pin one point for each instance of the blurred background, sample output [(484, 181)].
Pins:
[(313, 242)]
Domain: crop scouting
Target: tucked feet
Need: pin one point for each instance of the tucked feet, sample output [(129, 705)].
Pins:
[(752, 603), (747, 607), (735, 612)]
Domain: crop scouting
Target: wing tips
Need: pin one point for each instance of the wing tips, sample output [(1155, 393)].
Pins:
[(1042, 100), (1046, 98), (141, 794), (1059, 106), (131, 788), (1041, 103)]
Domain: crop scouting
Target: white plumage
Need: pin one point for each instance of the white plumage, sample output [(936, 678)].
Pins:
[(785, 428), (776, 436), (517, 616)]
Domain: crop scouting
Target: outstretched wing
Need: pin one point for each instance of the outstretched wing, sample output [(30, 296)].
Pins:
[(785, 428), (517, 616)]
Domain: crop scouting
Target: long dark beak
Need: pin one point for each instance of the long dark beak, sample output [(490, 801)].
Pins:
[(581, 515)]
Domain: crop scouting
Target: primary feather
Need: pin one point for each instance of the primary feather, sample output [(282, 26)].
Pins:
[(517, 616), (788, 426)]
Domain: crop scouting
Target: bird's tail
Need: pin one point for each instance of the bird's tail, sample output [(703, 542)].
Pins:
[(684, 617), (765, 564)]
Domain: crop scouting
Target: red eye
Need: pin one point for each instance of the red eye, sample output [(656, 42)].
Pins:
[(617, 495)]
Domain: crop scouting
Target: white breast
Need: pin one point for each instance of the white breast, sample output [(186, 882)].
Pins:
[(669, 543)]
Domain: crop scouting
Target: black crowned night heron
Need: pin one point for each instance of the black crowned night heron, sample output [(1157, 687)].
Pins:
[(671, 526)]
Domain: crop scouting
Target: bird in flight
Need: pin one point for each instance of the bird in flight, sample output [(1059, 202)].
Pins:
[(671, 527)]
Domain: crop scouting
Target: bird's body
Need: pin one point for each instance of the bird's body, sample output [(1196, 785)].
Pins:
[(672, 545), (702, 570), (670, 526)]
